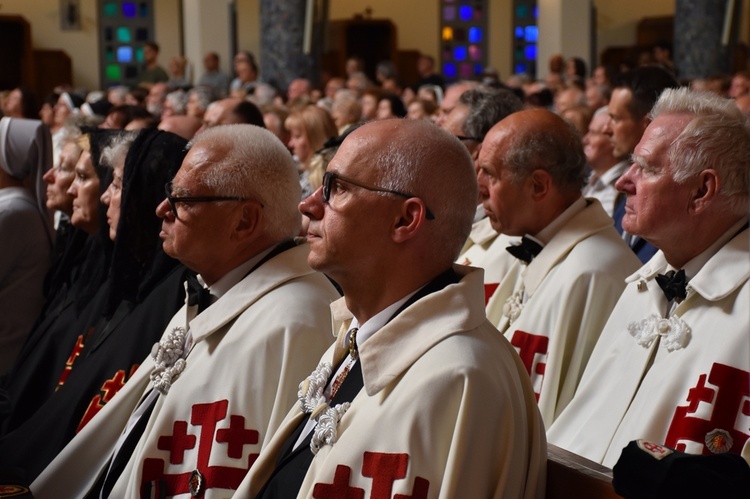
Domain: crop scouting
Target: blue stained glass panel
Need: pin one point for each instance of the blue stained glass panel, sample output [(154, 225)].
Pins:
[(520, 68), (128, 9), (475, 35), (144, 9), (536, 12), (478, 69), (519, 32), (465, 13), (531, 34), (530, 52), (125, 54), (459, 53), (449, 70)]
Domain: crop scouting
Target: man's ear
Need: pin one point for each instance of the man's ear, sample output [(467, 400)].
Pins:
[(249, 221), (540, 182), (706, 191), (409, 220)]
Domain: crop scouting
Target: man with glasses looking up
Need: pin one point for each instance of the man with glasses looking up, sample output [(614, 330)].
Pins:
[(401, 399), (195, 415)]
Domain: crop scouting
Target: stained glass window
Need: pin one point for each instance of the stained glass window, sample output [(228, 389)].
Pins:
[(525, 36), (463, 38), (125, 27)]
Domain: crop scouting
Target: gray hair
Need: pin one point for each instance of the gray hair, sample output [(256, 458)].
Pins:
[(117, 148), (426, 161), (717, 136), (486, 107), (254, 164), (558, 151), (178, 99), (203, 94)]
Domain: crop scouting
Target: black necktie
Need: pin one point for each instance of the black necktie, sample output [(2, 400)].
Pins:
[(197, 294), (673, 285), (526, 251)]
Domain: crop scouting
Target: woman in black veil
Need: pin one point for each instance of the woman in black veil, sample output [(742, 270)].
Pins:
[(143, 290)]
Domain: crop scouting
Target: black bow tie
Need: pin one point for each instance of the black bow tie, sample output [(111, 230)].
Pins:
[(197, 294), (526, 251), (673, 284)]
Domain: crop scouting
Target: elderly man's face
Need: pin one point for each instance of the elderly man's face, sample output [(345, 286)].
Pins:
[(200, 231), (346, 231), (624, 129), (655, 202), (504, 199), (596, 144)]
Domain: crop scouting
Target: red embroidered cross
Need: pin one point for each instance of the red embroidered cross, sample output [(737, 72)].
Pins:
[(728, 402), (71, 360), (340, 488), (489, 290), (384, 469), (178, 443), (110, 389), (236, 436), (205, 416), (529, 345)]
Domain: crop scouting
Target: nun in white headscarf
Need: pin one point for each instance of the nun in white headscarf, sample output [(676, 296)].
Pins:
[(25, 230)]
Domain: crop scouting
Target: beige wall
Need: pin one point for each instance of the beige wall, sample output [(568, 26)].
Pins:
[(616, 22), (83, 46)]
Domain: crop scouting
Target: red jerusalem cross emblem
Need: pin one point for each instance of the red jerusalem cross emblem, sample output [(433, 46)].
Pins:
[(726, 391), (532, 348), (383, 469), (213, 427)]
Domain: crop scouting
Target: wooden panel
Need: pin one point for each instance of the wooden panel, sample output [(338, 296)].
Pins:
[(373, 40), (570, 475), (53, 68), (16, 65)]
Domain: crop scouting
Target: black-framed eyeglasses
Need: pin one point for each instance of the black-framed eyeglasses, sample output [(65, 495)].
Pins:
[(173, 200), (463, 137), (330, 177)]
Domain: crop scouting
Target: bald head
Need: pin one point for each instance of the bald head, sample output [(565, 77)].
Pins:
[(184, 126), (415, 156), (539, 139)]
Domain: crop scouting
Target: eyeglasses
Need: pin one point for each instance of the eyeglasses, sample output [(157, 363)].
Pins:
[(462, 137), (173, 200), (329, 178)]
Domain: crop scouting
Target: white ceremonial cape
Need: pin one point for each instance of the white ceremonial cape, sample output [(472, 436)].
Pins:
[(485, 249), (570, 288), (693, 398), (250, 349), (446, 411)]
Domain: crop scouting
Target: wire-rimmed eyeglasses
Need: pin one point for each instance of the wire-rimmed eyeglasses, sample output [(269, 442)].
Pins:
[(330, 177)]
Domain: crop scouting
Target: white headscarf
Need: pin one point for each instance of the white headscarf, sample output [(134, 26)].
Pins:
[(26, 153)]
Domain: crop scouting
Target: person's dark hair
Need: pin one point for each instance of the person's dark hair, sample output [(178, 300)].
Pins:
[(139, 94), (486, 107), (29, 108), (248, 112), (543, 98), (646, 83), (580, 67), (397, 105), (51, 99), (153, 45)]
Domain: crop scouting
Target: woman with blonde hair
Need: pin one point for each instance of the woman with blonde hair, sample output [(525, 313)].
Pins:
[(309, 129)]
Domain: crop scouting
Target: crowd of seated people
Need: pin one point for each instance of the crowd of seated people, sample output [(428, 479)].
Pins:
[(176, 256)]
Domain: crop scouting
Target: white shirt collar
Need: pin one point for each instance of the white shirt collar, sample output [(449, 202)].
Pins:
[(234, 276), (545, 235), (376, 322)]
